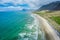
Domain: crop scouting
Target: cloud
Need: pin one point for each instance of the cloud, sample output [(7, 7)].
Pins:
[(11, 8), (27, 4), (24, 4), (16, 2), (47, 1)]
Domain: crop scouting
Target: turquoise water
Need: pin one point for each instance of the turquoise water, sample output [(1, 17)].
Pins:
[(18, 25), (14, 25)]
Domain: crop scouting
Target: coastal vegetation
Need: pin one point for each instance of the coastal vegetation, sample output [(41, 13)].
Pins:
[(53, 17), (56, 18)]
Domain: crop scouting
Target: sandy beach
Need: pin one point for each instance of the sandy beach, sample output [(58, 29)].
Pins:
[(50, 32)]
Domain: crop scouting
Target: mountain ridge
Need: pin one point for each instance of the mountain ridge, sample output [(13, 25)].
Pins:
[(51, 6)]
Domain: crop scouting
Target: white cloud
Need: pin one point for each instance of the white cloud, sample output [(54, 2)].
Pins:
[(10, 8), (33, 4)]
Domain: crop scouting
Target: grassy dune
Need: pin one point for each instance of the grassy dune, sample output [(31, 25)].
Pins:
[(52, 16)]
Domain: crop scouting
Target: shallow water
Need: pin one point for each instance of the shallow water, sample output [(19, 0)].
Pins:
[(16, 25)]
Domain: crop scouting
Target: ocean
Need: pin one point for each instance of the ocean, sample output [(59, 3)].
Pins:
[(18, 25)]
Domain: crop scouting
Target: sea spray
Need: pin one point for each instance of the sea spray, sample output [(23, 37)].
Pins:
[(35, 31), (41, 33), (33, 34)]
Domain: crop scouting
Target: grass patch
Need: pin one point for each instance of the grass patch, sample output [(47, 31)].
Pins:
[(56, 19), (52, 16)]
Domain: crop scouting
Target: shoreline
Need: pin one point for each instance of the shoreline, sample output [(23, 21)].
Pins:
[(47, 28)]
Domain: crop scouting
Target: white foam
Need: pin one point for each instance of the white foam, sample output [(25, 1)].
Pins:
[(34, 26), (22, 34)]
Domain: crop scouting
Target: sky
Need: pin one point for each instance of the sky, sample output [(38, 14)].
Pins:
[(23, 4)]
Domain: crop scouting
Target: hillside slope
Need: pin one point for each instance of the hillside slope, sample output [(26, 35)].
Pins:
[(51, 6)]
